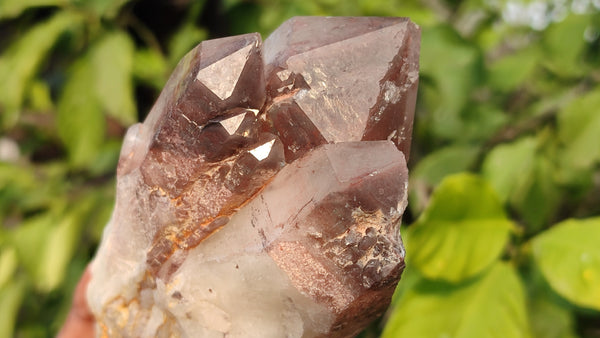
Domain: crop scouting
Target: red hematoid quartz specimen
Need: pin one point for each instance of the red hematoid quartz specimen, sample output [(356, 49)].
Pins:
[(262, 196)]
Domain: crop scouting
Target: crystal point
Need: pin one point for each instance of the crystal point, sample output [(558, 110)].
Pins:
[(262, 195)]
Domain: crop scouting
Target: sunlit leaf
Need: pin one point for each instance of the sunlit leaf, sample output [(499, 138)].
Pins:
[(104, 8), (112, 62), (549, 314), (101, 213), (430, 171), (187, 38), (508, 167), (462, 231), (415, 10), (510, 71), (493, 305), (569, 257), (443, 162), (73, 274), (60, 246), (410, 277), (15, 181), (481, 122), (10, 300), (24, 188), (106, 159), (29, 239), (524, 178), (14, 8), (46, 244), (579, 130), (275, 14), (564, 44), (150, 67), (550, 320), (81, 124), (537, 204), (455, 68), (8, 264), (39, 97), (21, 61)]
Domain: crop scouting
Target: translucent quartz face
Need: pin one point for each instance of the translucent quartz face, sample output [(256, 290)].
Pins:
[(262, 195)]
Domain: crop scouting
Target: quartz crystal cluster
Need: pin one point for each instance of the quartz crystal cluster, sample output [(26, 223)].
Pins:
[(263, 193)]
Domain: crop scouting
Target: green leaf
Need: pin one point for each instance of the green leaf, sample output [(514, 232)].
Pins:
[(104, 8), (443, 162), (73, 274), (245, 17), (538, 203), (60, 246), (112, 62), (100, 81), (46, 244), (415, 10), (24, 188), (150, 67), (569, 257), (101, 214), (550, 320), (81, 125), (186, 38), (512, 70), (549, 314), (410, 278), (453, 78), (8, 265), (579, 131), (19, 64), (29, 239), (11, 296), (493, 305), (480, 121), (15, 183), (509, 166), (564, 44), (462, 231), (39, 97), (107, 159), (525, 178), (430, 171), (13, 8)]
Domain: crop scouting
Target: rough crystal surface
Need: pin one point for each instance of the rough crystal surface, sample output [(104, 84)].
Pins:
[(262, 195)]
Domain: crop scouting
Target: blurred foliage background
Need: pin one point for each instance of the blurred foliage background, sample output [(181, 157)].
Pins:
[(503, 226)]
